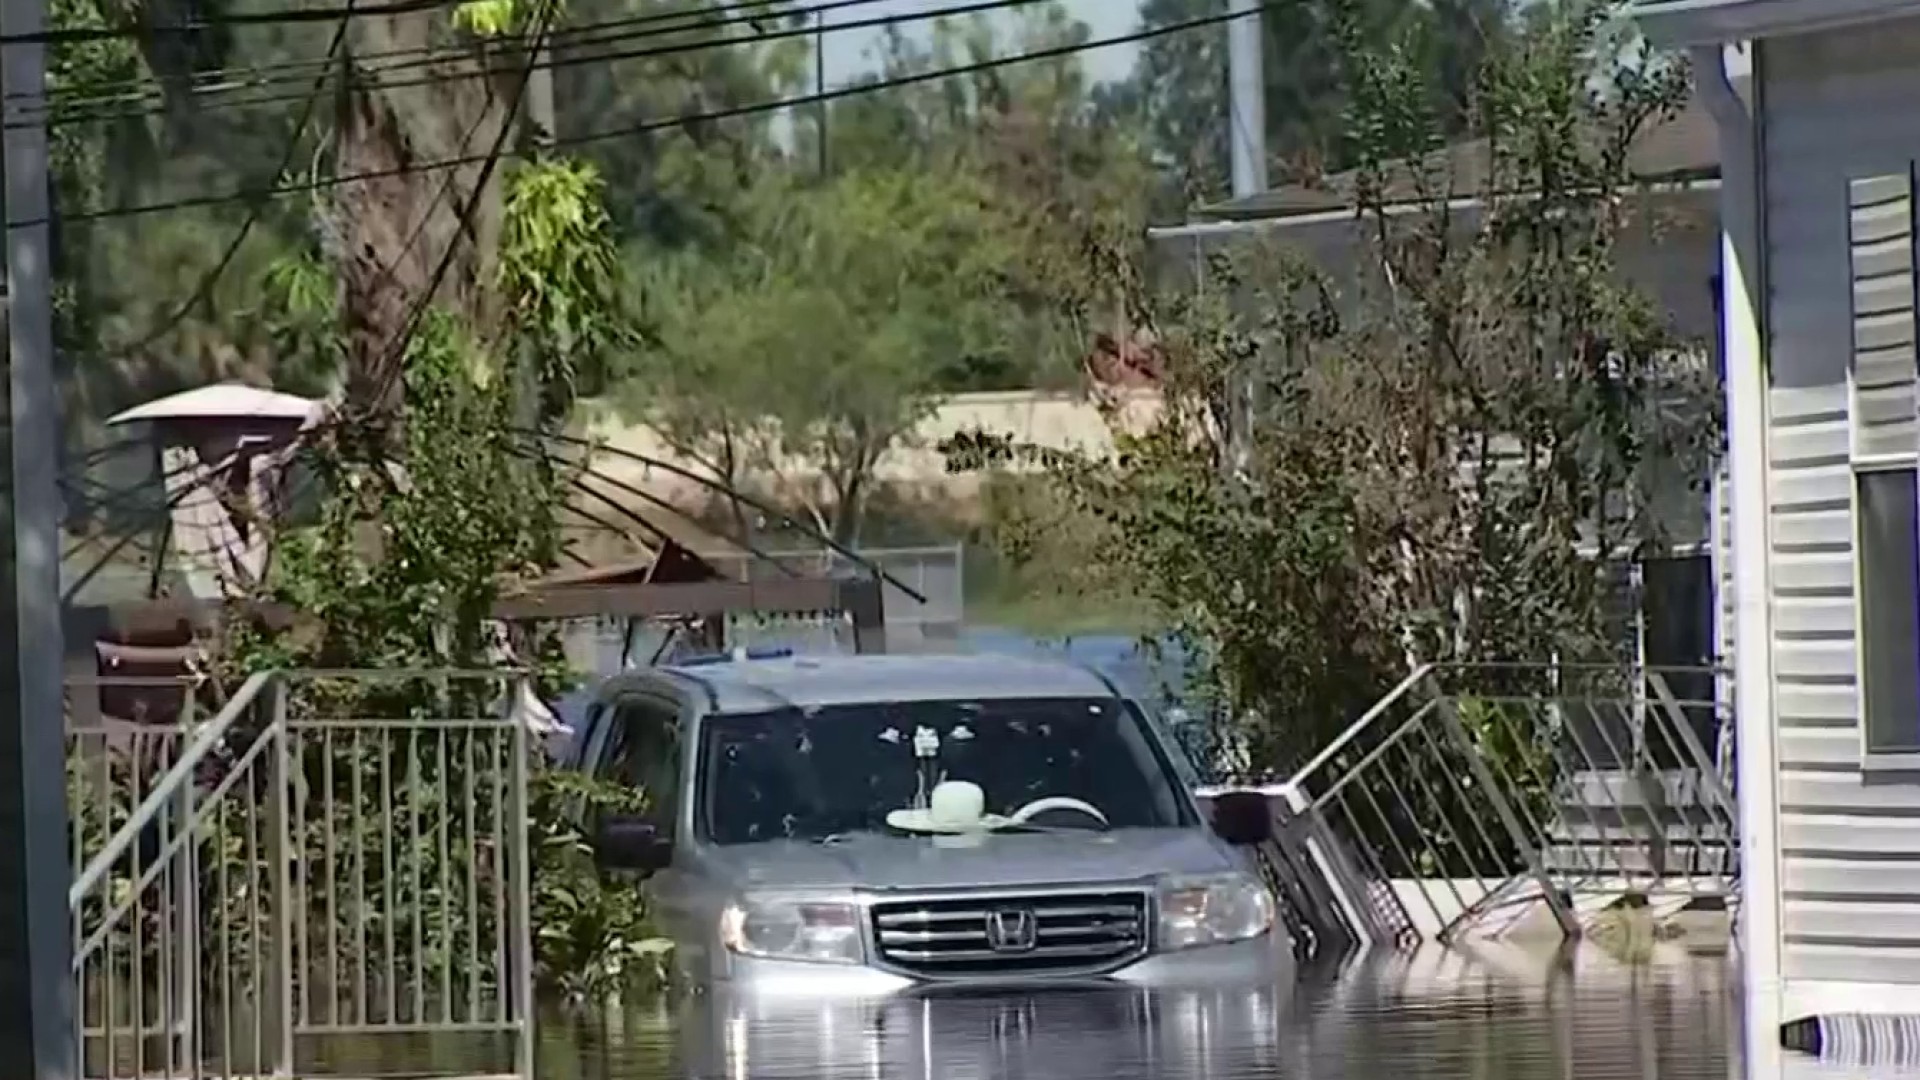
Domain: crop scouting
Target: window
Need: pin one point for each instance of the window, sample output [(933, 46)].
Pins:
[(1676, 638), (645, 752), (1887, 524), (1884, 444), (795, 774)]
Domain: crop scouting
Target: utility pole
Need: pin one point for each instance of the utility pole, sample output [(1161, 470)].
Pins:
[(36, 978), (1247, 155), (1247, 98), (820, 84)]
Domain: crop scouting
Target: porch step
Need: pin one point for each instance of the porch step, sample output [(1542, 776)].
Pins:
[(1633, 857)]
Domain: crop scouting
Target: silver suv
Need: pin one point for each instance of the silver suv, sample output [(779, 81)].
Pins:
[(881, 822)]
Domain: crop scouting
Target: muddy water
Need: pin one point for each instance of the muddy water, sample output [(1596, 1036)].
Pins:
[(1439, 1014), (1491, 1015)]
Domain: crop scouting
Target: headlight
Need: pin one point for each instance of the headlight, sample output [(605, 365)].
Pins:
[(1213, 910), (790, 929)]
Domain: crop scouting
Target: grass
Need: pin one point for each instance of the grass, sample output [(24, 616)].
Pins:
[(1058, 615)]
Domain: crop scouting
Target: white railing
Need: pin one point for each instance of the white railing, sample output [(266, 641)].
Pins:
[(322, 861), (1471, 789)]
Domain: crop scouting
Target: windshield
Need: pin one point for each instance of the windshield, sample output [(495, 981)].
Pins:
[(817, 773)]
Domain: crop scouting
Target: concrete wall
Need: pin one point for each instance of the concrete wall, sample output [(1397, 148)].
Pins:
[(915, 467)]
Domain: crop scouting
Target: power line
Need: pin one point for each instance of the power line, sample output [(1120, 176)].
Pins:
[(78, 35), (208, 280), (394, 361), (242, 76), (204, 288), (553, 63), (756, 109)]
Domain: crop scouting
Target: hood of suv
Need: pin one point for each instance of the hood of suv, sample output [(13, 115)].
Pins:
[(881, 863)]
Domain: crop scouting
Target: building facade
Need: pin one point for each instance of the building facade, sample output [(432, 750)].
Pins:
[(1815, 105)]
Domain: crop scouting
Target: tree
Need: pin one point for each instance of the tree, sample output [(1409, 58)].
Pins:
[(812, 349), (1434, 448), (1052, 164)]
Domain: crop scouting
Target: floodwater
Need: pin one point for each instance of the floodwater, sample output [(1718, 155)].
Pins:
[(1440, 1014), (1484, 1013)]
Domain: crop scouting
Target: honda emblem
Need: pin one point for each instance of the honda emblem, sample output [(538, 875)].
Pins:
[(1012, 930)]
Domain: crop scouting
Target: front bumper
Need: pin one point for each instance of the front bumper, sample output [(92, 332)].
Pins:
[(1262, 962)]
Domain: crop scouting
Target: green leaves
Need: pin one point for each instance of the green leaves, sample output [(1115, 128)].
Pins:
[(809, 348), (1413, 461), (562, 283)]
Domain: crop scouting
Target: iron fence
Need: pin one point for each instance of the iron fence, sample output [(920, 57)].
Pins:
[(1475, 789), (328, 875), (937, 573)]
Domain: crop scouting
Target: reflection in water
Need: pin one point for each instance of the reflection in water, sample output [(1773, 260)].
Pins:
[(1435, 1015)]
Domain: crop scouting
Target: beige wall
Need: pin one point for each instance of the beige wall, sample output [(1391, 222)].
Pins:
[(915, 466)]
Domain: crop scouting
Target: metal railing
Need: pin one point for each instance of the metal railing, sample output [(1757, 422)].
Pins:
[(329, 876), (936, 573), (1475, 789)]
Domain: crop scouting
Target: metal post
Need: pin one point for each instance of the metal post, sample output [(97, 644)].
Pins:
[(184, 1024), (863, 601), (281, 911), (1247, 100), (36, 978), (959, 585), (1247, 153), (520, 882)]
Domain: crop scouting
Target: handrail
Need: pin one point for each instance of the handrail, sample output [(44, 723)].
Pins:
[(1709, 775), (167, 787), (1355, 729)]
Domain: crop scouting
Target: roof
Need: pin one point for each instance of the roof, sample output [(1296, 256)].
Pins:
[(1710, 22), (1686, 146), (221, 401), (811, 681)]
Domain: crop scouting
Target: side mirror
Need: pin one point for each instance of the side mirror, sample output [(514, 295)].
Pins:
[(628, 843), (1242, 818)]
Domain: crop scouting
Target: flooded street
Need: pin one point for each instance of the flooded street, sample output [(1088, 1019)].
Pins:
[(1426, 1017)]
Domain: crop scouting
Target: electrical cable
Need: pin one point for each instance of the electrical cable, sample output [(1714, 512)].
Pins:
[(628, 131), (78, 35), (211, 278), (55, 118), (204, 289), (393, 363), (237, 77)]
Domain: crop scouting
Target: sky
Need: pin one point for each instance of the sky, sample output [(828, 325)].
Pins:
[(847, 53)]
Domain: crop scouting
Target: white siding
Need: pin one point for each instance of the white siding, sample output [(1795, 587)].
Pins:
[(1838, 107)]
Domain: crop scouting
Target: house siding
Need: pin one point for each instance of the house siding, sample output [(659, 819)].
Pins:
[(1837, 110)]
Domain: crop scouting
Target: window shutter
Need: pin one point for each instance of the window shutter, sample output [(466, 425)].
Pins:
[(1880, 253)]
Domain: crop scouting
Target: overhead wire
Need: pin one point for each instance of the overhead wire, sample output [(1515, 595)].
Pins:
[(56, 118), (393, 361), (210, 279), (241, 77), (560, 62), (83, 34), (762, 108), (203, 290)]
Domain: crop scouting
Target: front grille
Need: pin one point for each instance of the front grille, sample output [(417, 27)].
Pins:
[(957, 937)]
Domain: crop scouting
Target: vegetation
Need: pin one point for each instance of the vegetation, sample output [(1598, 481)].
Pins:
[(816, 344), (1421, 461)]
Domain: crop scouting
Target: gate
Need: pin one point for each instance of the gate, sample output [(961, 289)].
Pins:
[(329, 876)]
